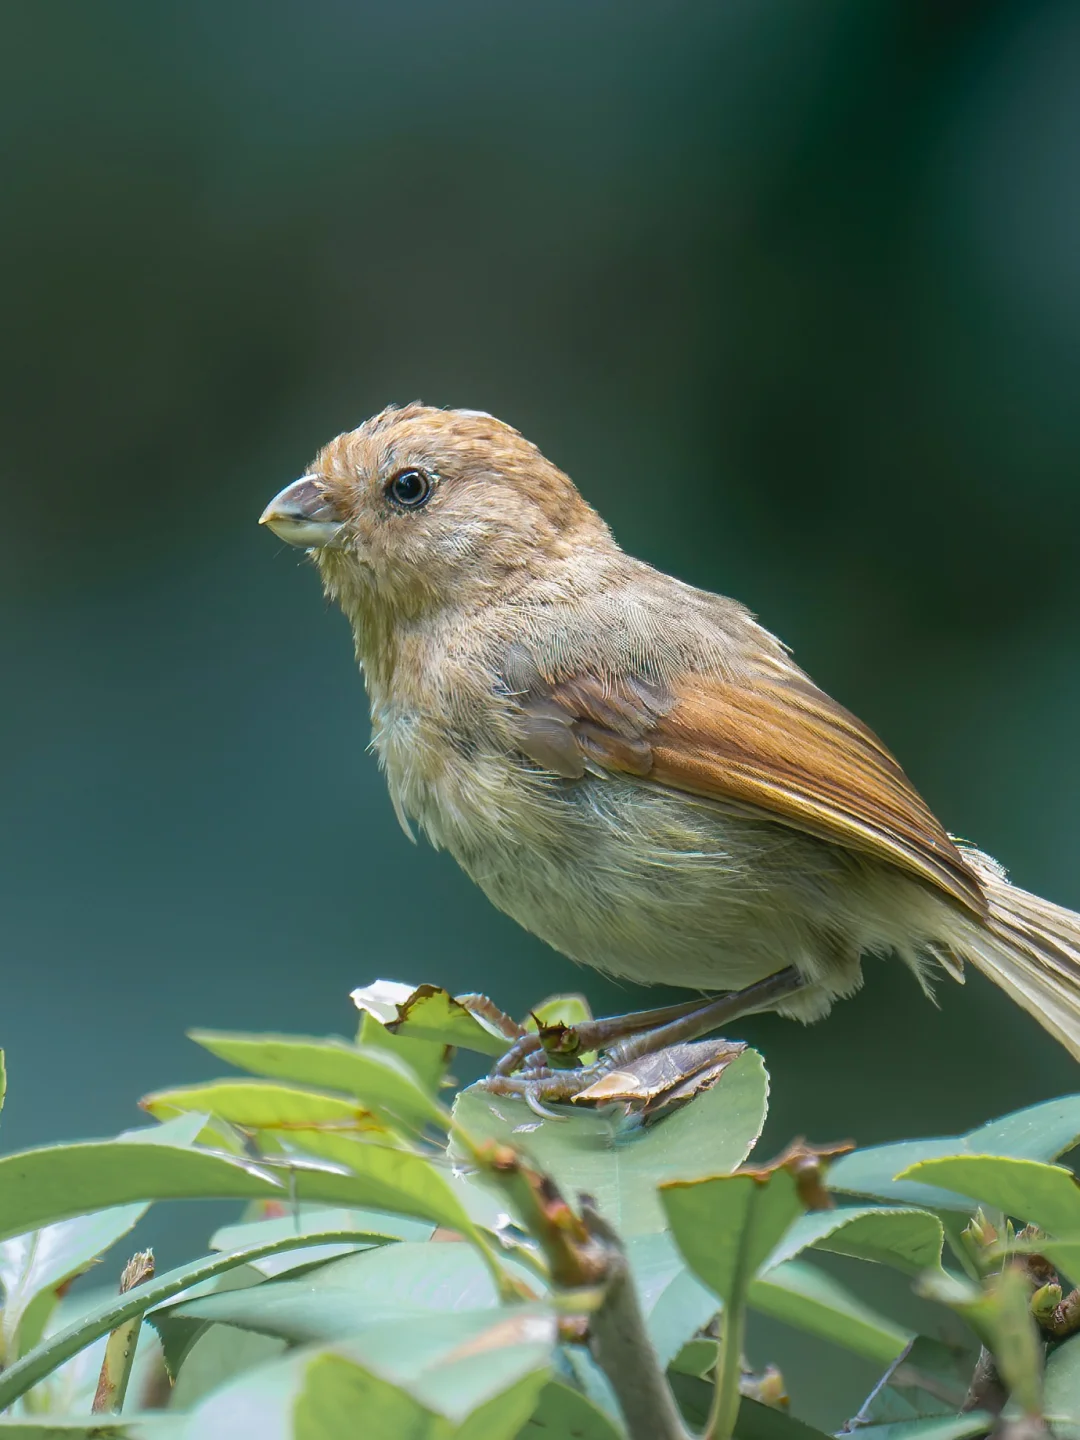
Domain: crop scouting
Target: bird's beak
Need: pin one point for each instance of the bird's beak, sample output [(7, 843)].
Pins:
[(303, 515)]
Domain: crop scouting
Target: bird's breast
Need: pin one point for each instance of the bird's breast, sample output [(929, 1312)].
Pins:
[(464, 787)]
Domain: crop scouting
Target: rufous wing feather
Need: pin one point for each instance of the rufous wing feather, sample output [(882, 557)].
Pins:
[(775, 744)]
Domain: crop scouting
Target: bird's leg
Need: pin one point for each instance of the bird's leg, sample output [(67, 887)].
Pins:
[(762, 995), (627, 1038), (535, 1047)]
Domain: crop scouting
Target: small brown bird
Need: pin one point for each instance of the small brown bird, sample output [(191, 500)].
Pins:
[(633, 769)]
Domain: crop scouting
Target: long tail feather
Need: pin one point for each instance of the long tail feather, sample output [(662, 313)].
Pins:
[(1030, 948)]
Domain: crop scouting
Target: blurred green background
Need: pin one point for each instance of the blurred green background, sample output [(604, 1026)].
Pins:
[(792, 289)]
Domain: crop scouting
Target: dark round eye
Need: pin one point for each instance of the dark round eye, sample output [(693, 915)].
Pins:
[(410, 488)]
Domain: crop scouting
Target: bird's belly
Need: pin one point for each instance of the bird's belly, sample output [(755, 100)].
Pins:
[(649, 885)]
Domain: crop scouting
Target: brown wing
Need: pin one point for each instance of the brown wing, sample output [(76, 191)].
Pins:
[(777, 744)]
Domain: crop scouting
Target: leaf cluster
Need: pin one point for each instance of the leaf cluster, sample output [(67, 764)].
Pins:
[(483, 1270)]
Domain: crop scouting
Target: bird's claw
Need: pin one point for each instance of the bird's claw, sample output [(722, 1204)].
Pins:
[(538, 1084), (519, 1053), (647, 1085)]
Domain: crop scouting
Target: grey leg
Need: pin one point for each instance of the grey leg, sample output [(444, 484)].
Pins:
[(625, 1038)]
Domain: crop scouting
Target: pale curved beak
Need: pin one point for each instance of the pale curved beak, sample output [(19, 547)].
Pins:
[(303, 515)]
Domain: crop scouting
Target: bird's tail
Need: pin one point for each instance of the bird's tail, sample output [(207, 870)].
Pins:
[(1030, 948)]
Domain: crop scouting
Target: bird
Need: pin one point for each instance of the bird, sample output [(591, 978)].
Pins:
[(634, 769)]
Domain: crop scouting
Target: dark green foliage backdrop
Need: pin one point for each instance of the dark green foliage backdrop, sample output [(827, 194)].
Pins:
[(793, 290)]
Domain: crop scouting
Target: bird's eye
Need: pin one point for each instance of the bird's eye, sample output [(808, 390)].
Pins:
[(410, 488)]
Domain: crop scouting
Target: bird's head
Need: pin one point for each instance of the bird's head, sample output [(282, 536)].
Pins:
[(422, 509)]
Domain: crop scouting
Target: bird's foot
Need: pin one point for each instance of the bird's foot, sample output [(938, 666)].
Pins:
[(560, 1047), (648, 1059), (649, 1084)]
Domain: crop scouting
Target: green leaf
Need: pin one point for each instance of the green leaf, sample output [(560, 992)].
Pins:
[(428, 1277), (182, 1130), (337, 1390), (345, 1296), (562, 1412), (378, 1005), (431, 1013), (402, 1181), (503, 1416), (1044, 1195), (98, 1321), (130, 1427), (382, 1082), (944, 1427), (377, 1230), (908, 1239), (931, 1379), (308, 1219), (1000, 1314), (289, 1310), (267, 1105), (621, 1164), (177, 1338), (752, 1421), (697, 1358), (727, 1226), (258, 1402), (39, 1187), (43, 1260), (1041, 1132), (674, 1303), (579, 1369), (807, 1298), (427, 1059), (1061, 1389), (460, 1368), (1018, 1347), (455, 1362), (214, 1356), (559, 1010), (762, 1422)]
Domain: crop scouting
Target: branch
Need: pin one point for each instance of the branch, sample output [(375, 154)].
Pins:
[(621, 1346), (986, 1391), (120, 1348), (585, 1255)]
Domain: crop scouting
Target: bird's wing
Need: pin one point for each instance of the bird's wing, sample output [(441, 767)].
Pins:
[(773, 742)]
